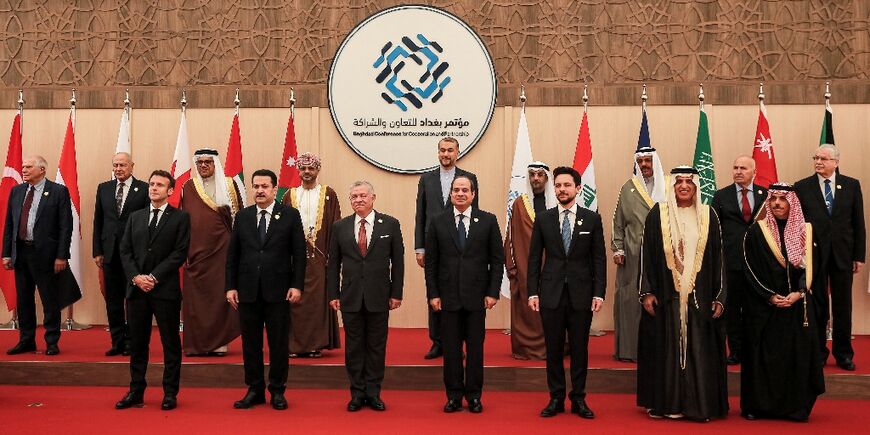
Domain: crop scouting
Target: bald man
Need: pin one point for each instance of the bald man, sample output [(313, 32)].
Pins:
[(36, 243), (737, 204)]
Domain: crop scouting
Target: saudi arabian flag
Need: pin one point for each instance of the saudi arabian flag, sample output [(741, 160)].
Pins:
[(704, 160)]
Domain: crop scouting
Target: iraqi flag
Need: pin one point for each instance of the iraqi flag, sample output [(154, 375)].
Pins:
[(289, 176), (233, 166), (180, 161), (584, 164), (11, 178), (762, 150), (70, 280)]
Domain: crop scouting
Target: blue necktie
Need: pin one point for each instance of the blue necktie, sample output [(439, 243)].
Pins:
[(829, 197), (262, 226), (566, 231), (460, 229)]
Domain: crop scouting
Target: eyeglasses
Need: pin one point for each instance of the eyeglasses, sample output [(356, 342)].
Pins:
[(822, 159), (204, 162)]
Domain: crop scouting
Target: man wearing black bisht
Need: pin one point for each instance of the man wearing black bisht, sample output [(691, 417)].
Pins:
[(681, 348), (782, 371)]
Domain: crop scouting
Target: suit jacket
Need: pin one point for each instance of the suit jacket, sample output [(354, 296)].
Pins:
[(841, 237), (462, 278), (430, 203), (371, 280), (730, 213), (108, 225), (273, 267), (159, 254), (583, 267), (52, 231)]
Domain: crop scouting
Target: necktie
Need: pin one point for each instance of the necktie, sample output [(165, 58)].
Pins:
[(747, 210), (362, 239), (829, 197), (461, 232), (566, 231), (25, 213), (152, 227), (119, 198), (262, 226)]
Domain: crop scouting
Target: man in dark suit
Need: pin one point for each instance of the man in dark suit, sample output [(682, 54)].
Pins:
[(364, 280), (36, 243), (116, 200), (433, 198), (834, 204), (154, 246), (464, 270), (737, 204), (567, 280), (265, 273)]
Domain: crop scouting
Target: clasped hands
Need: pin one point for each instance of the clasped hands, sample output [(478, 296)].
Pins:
[(780, 301), (144, 282)]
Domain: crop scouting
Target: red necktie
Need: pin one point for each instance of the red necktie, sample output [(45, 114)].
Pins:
[(25, 214), (361, 240), (747, 210)]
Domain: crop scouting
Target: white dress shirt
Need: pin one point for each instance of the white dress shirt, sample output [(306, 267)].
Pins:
[(370, 224), (466, 220), (268, 209), (833, 179)]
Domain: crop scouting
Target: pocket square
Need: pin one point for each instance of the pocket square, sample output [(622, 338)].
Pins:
[(583, 233), (384, 236)]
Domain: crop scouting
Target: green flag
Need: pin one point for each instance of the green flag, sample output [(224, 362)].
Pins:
[(704, 160), (827, 126)]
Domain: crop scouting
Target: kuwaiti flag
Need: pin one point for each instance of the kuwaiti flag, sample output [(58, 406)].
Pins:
[(233, 164), (584, 164), (68, 175), (518, 183), (11, 178), (762, 150), (827, 125), (703, 161), (289, 176), (180, 161)]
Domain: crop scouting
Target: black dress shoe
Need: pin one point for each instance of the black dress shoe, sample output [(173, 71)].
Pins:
[(169, 403), (355, 404), (114, 351), (376, 404), (251, 398), (555, 406), (278, 401), (475, 406), (21, 347), (733, 359), (580, 408), (434, 352), (750, 416), (130, 400), (846, 364), (453, 405), (52, 349)]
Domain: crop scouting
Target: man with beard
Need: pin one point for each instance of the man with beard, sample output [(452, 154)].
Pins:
[(781, 374), (567, 280), (211, 200), (315, 325), (645, 188), (527, 332), (433, 198), (681, 348)]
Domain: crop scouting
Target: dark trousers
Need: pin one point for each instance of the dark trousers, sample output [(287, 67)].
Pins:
[(141, 307), (737, 287), (434, 326), (840, 307), (28, 277), (458, 327), (115, 285), (557, 322), (275, 316), (365, 338)]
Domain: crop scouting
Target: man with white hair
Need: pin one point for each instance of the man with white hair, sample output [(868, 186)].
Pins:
[(527, 332), (681, 348), (212, 200), (638, 194), (834, 204)]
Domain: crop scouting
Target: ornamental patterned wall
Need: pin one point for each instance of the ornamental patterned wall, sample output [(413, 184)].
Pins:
[(265, 46)]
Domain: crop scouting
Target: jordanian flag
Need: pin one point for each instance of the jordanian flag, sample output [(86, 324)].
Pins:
[(233, 166), (289, 176), (704, 160)]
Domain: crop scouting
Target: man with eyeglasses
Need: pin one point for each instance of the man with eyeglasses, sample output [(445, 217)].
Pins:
[(834, 205)]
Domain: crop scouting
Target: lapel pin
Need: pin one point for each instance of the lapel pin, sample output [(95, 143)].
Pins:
[(839, 187), (380, 221), (632, 190), (759, 191), (44, 193), (580, 223), (135, 189), (277, 216), (476, 220), (327, 197)]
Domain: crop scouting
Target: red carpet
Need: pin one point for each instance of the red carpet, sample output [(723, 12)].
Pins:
[(404, 347), (89, 410)]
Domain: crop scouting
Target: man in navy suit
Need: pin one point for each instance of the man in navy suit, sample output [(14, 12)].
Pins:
[(36, 243)]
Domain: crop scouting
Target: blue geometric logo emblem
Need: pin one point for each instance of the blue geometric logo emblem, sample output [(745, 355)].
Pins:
[(429, 87)]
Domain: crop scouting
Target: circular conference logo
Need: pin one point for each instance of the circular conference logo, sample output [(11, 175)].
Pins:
[(404, 78)]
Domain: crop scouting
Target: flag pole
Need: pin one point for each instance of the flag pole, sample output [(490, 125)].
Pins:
[(827, 95), (129, 109), (292, 103), (701, 97), (585, 96), (183, 113), (12, 324), (70, 324), (237, 102)]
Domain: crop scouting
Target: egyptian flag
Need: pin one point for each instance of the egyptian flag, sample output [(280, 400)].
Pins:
[(70, 279)]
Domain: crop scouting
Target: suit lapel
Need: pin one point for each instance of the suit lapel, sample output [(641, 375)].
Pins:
[(276, 216), (162, 222), (377, 231), (575, 231), (46, 192), (132, 193), (817, 194)]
